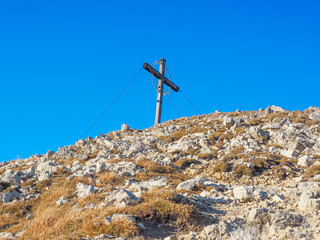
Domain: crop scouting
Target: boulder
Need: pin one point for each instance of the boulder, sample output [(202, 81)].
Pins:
[(243, 193), (259, 134), (125, 169), (191, 184), (84, 189), (210, 232), (9, 196), (256, 213), (48, 166), (274, 109), (290, 153), (315, 116), (228, 121), (101, 166), (30, 172), (305, 161), (155, 182), (120, 198), (9, 178), (283, 220), (125, 127), (123, 216), (44, 176), (135, 148), (308, 201)]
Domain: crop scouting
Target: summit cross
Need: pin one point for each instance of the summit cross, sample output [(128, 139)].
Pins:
[(161, 80)]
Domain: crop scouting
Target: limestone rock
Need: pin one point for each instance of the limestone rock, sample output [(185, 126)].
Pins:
[(9, 178), (9, 196), (120, 198), (191, 184), (30, 172), (274, 109), (305, 161), (124, 169), (210, 232), (48, 166), (62, 200), (84, 189), (125, 127), (283, 220), (228, 121), (157, 182), (243, 193), (308, 201), (259, 134), (123, 216), (44, 176), (315, 116), (100, 166)]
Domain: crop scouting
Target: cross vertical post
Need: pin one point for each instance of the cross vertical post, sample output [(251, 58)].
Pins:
[(162, 80), (162, 69)]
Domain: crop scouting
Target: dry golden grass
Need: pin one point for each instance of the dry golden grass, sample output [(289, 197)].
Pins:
[(197, 130), (221, 166), (192, 151), (109, 178), (70, 160), (30, 182), (276, 145), (166, 139), (179, 134), (256, 121), (95, 198), (206, 156), (12, 215), (115, 151), (154, 169), (215, 136), (20, 168), (260, 164), (60, 222), (243, 170), (311, 171), (154, 146), (113, 160), (176, 151), (161, 205), (237, 150), (63, 223), (239, 131), (184, 163)]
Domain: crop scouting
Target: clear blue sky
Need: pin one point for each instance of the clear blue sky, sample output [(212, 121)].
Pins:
[(63, 62)]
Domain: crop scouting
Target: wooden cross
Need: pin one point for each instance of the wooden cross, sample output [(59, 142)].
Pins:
[(162, 79)]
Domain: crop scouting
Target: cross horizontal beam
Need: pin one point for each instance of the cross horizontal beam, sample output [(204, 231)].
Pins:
[(158, 75)]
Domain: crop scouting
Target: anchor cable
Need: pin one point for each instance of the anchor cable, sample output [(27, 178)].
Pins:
[(190, 102), (170, 95), (119, 95), (175, 106)]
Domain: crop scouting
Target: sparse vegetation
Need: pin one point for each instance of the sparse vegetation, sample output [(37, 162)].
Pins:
[(179, 134), (206, 156), (166, 139), (184, 163), (230, 163), (221, 166), (311, 171), (243, 170)]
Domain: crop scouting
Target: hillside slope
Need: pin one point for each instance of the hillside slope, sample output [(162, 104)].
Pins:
[(238, 175)]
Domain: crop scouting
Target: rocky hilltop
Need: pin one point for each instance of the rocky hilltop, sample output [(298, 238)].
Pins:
[(238, 175)]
